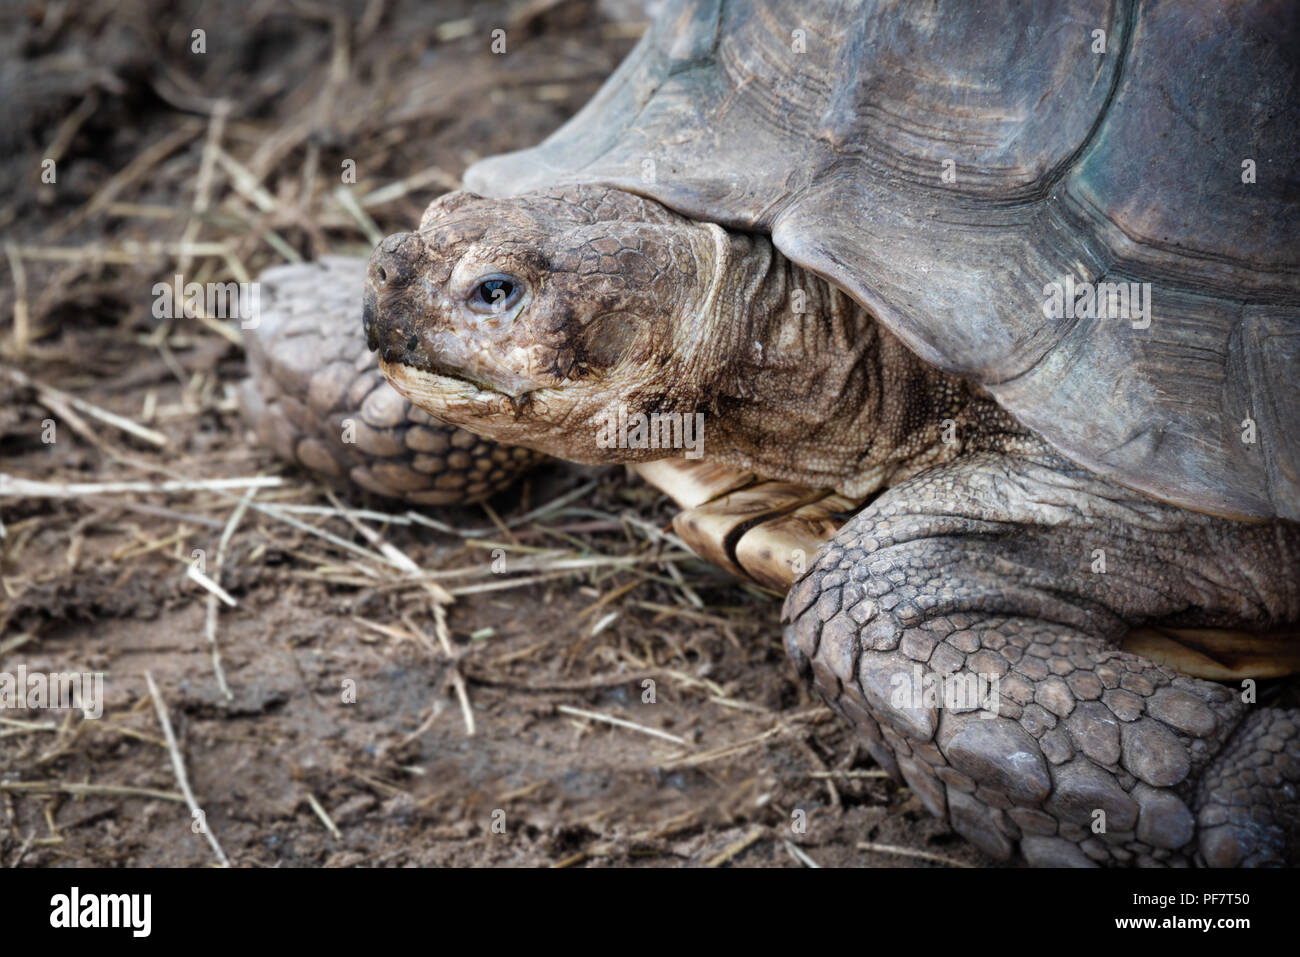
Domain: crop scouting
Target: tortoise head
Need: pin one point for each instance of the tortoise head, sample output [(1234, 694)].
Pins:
[(534, 320)]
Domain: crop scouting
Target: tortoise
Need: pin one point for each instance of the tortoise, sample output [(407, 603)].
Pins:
[(990, 313)]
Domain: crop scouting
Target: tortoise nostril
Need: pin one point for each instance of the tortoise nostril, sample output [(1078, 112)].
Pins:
[(394, 262)]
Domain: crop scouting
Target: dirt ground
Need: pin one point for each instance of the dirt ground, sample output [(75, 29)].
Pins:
[(344, 737)]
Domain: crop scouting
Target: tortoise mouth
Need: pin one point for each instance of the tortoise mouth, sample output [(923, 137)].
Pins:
[(438, 388), (443, 371), (438, 376)]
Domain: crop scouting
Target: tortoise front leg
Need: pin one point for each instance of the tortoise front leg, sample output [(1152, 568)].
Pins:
[(1023, 572)]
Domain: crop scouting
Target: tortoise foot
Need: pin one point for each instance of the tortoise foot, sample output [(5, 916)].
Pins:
[(958, 624), (1247, 810)]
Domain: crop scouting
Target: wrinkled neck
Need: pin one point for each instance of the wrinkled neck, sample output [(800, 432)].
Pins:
[(807, 386)]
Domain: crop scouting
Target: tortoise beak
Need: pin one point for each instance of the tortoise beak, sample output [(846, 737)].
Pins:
[(389, 314)]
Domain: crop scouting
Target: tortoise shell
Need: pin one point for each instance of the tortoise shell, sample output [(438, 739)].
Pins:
[(965, 169)]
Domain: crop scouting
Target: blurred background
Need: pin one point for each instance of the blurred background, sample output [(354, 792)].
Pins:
[(243, 144)]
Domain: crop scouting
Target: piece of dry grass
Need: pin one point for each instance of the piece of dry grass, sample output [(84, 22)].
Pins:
[(14, 487), (83, 790), (319, 810), (210, 623), (59, 402), (622, 723), (909, 852), (736, 848), (178, 767), (21, 335)]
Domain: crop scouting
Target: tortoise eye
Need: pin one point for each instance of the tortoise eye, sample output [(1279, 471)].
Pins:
[(494, 293)]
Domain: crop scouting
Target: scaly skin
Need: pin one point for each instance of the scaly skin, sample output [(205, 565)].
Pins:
[(977, 560), (984, 567)]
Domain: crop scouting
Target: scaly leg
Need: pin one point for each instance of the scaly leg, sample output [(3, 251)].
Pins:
[(1023, 571)]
